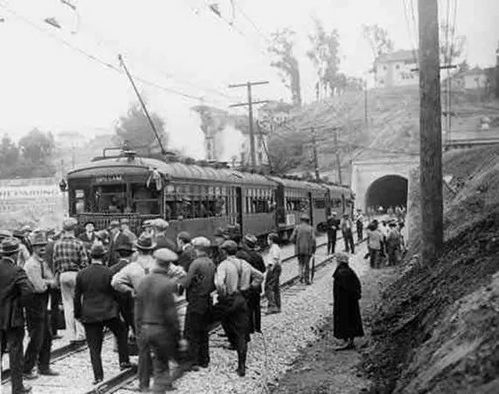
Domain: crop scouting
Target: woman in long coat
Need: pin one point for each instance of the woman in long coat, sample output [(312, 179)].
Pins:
[(346, 312)]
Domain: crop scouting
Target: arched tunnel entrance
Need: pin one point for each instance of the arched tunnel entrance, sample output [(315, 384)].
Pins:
[(388, 191)]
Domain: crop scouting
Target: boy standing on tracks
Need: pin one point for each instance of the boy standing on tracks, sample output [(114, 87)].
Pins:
[(272, 289), (305, 244)]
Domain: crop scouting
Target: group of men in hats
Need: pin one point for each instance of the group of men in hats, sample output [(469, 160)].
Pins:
[(113, 279)]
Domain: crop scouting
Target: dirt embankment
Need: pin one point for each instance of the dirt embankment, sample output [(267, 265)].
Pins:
[(437, 327)]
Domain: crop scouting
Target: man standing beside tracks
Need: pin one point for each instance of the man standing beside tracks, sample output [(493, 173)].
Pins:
[(305, 245), (15, 288), (37, 314), (233, 278), (162, 241), (347, 232), (69, 258), (332, 224), (199, 283), (157, 320)]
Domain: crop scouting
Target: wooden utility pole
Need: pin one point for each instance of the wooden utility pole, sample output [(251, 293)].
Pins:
[(337, 150), (250, 104), (316, 158), (430, 132)]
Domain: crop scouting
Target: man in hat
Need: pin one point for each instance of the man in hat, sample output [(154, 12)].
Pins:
[(125, 301), (54, 292), (15, 288), (393, 243), (248, 252), (332, 226), (185, 250), (162, 241), (37, 315), (123, 236), (199, 283), (359, 223), (24, 252), (219, 236), (346, 226), (70, 257), (305, 244), (157, 320), (346, 311), (234, 277), (96, 307), (88, 236)]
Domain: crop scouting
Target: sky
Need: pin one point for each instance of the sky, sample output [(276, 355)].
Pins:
[(69, 79)]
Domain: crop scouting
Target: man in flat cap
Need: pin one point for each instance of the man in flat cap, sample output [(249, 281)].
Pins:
[(96, 307), (332, 226), (15, 288), (248, 252), (157, 319), (69, 258), (305, 244), (185, 250), (346, 310), (162, 241), (199, 283), (37, 314), (234, 277)]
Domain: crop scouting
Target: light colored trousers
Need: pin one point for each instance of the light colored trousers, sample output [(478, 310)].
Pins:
[(74, 329)]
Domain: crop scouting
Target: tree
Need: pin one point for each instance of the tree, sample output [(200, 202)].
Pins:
[(9, 157), (325, 57), (37, 147), (136, 130), (451, 46), (282, 48), (378, 39)]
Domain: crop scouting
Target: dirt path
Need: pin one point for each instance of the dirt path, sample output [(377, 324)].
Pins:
[(321, 369)]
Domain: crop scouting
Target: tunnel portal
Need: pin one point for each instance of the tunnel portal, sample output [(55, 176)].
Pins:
[(388, 191)]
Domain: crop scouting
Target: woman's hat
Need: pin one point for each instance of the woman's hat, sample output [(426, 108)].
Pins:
[(145, 242), (341, 257)]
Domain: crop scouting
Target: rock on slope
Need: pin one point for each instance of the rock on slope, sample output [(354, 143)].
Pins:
[(437, 328)]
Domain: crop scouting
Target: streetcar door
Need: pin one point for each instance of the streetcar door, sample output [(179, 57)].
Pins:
[(311, 208), (239, 208)]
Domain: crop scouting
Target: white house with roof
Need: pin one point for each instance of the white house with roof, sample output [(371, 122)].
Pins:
[(396, 69)]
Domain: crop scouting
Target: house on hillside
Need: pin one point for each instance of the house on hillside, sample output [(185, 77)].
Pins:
[(395, 69), (476, 78)]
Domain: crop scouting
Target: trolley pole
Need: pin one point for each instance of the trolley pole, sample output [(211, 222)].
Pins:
[(250, 104), (430, 132)]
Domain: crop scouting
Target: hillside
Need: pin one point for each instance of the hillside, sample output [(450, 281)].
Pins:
[(436, 328), (392, 126)]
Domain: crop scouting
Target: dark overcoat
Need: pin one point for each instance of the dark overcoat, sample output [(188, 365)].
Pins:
[(15, 289), (346, 312)]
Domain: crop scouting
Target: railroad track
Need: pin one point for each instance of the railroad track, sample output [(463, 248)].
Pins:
[(127, 377)]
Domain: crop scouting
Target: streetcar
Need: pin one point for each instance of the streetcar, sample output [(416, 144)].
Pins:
[(196, 198)]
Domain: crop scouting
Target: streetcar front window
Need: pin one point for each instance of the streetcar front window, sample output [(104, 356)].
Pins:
[(145, 201)]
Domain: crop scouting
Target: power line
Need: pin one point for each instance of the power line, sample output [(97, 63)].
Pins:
[(97, 59)]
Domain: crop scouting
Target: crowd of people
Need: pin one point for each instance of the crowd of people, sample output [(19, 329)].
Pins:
[(128, 284)]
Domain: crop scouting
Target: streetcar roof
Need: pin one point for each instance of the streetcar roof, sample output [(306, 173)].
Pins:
[(297, 184), (123, 165)]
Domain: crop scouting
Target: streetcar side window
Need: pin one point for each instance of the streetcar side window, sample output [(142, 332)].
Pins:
[(79, 201), (144, 201)]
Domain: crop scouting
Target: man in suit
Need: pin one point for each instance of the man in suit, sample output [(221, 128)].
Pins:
[(185, 250), (199, 283), (96, 307), (118, 238), (162, 241), (157, 319), (15, 288), (346, 226), (332, 226), (37, 314), (305, 244), (88, 236)]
